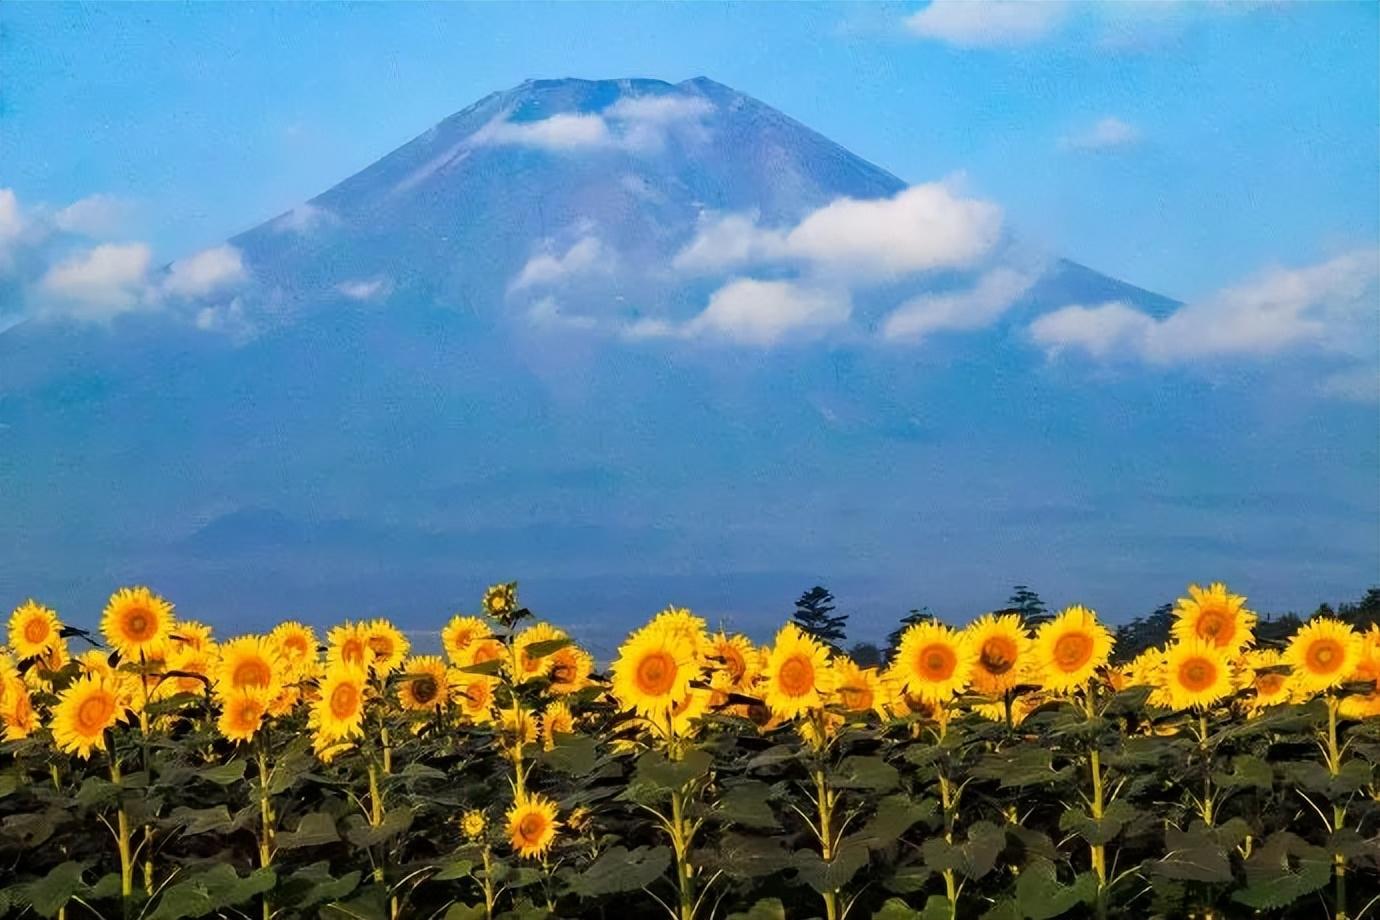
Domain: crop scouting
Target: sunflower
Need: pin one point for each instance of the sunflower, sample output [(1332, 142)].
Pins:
[(686, 715), (570, 669), (520, 727), (1264, 672), (1147, 670), (388, 644), (532, 825), (1070, 648), (735, 658), (556, 719), (653, 671), (339, 713), (798, 676), (191, 665), (1021, 707), (84, 711), (459, 635), (242, 713), (425, 687), (500, 600), (1003, 652), (532, 666), (249, 663), (191, 634), (483, 651), (1213, 614), (16, 710), (1323, 654), (296, 645), (1365, 705), (860, 689), (679, 621), (1197, 673), (348, 644), (473, 824), (136, 621), (933, 661), (475, 695), (33, 630)]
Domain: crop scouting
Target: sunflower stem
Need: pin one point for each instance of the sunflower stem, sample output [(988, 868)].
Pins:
[(1206, 809), (1334, 766), (825, 798), (1097, 805), (122, 841), (265, 817)]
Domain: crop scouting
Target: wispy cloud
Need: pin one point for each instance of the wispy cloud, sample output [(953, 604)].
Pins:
[(363, 289), (747, 311), (635, 123), (1110, 133), (305, 219), (1326, 306), (995, 23), (585, 255), (973, 308), (558, 133)]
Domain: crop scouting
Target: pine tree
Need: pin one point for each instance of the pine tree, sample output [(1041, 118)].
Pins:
[(813, 616), (1144, 632), (1028, 604)]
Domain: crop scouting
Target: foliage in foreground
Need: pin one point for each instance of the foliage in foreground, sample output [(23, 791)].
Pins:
[(987, 772)]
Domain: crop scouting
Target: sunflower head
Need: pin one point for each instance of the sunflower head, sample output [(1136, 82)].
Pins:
[(17, 715), (859, 690), (1197, 673), (1323, 654), (798, 675), (680, 622), (425, 685), (473, 824), (1214, 615), (1265, 677), (570, 669), (242, 713), (136, 621), (933, 662), (34, 629), (387, 644), (249, 663), (556, 720), (348, 645), (459, 636), (653, 671), (1003, 652), (338, 714), (85, 709), (190, 634), (500, 602), (735, 660), (532, 825), (474, 693), (1070, 648), (528, 663), (296, 646), (520, 728)]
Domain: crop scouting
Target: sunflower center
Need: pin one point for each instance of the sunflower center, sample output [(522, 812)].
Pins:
[(1325, 656), (998, 655), (562, 672), (249, 712), (1213, 624), (531, 827), (1268, 684), (35, 631), (733, 663), (937, 661), (344, 701), (139, 624), (797, 675), (425, 689), (254, 672), (487, 652), (1072, 651), (94, 712), (656, 673), (1197, 674), (352, 651), (856, 699), (381, 646), (477, 696), (296, 646)]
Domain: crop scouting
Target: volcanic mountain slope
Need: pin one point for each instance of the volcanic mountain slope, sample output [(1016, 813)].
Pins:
[(632, 342)]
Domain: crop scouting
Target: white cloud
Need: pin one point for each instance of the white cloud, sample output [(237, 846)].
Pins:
[(559, 133), (98, 283), (992, 23), (304, 220), (975, 308), (1110, 133), (546, 313), (11, 220), (922, 228), (664, 109), (366, 288), (205, 272), (752, 312), (587, 254), (97, 216), (1328, 306)]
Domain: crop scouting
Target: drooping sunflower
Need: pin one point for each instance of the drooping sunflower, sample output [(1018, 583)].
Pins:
[(388, 644), (296, 645), (500, 600), (474, 693), (1070, 648), (798, 676), (1003, 652), (136, 621), (1216, 615), (242, 713), (186, 669), (933, 662), (532, 825), (570, 670), (556, 720), (249, 663), (33, 630), (686, 715), (339, 713), (1322, 654), (653, 672), (860, 690), (1147, 670), (1266, 678), (1197, 673), (17, 715), (348, 644), (84, 711), (734, 659), (528, 665), (459, 635), (191, 634), (425, 686)]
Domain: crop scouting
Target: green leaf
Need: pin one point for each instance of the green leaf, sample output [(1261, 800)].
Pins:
[(1247, 772), (575, 755), (486, 668), (832, 875), (47, 895), (1041, 896), (973, 858), (1099, 831), (311, 885), (370, 903), (96, 791), (618, 869), (896, 909), (395, 821), (1028, 765), (459, 911), (548, 647), (1193, 855), (871, 773), (765, 909), (313, 830), (213, 890), (741, 856), (895, 815), (654, 770), (1283, 869), (747, 805), (201, 820), (223, 774)]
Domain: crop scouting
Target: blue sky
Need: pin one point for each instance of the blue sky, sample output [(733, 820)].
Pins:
[(1234, 137)]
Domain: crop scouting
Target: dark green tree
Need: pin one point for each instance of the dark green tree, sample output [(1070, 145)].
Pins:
[(1364, 613), (1144, 632), (1028, 604), (865, 655), (814, 614)]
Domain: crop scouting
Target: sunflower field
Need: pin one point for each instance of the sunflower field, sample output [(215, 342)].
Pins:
[(152, 771)]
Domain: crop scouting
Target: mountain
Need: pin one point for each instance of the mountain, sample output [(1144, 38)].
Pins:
[(633, 343)]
